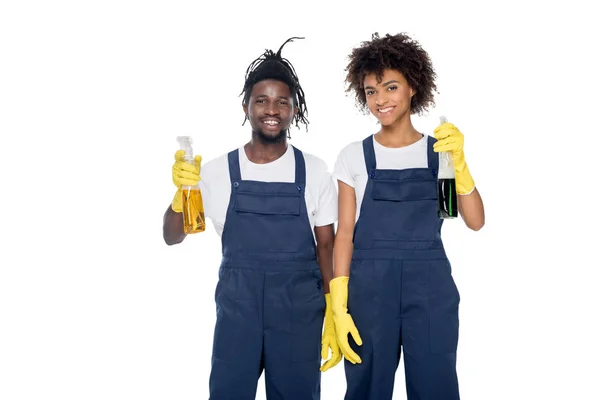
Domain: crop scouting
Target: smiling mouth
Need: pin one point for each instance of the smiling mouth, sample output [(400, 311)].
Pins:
[(385, 110), (271, 122)]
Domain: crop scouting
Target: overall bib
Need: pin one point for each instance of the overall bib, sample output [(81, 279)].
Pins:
[(270, 300), (401, 291)]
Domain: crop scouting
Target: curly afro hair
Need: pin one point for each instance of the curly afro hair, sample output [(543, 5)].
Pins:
[(398, 52)]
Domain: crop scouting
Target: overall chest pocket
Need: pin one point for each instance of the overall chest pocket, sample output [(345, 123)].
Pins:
[(267, 203), (404, 185), (403, 212), (268, 218)]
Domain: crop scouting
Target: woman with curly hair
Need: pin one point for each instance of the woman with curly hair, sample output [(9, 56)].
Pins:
[(392, 285)]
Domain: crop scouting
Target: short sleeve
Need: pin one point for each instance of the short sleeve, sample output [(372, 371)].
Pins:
[(327, 207), (343, 167)]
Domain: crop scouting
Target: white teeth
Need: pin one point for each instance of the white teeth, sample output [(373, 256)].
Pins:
[(384, 110), (269, 122)]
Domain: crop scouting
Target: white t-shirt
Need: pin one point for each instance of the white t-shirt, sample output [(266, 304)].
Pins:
[(320, 193), (351, 168)]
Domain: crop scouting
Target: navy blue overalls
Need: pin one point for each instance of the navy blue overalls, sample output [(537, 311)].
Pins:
[(270, 300), (401, 291)]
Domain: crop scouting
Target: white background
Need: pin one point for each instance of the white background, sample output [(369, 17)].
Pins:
[(94, 305)]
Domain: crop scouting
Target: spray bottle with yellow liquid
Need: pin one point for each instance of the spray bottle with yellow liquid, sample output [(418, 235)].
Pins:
[(193, 208)]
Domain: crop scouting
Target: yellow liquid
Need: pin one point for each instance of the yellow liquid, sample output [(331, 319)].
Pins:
[(193, 211)]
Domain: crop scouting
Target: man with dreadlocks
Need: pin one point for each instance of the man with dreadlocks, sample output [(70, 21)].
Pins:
[(270, 203)]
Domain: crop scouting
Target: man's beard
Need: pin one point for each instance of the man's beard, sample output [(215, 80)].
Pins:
[(267, 139)]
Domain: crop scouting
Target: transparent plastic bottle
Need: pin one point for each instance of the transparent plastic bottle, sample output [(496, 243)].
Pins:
[(447, 199), (193, 208)]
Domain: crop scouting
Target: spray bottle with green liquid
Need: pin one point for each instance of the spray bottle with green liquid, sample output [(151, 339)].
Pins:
[(447, 199)]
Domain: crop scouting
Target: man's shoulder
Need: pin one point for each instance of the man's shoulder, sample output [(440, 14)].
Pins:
[(216, 168), (314, 163), (317, 170)]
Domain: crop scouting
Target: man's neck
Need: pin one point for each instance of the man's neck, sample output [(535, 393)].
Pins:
[(261, 152)]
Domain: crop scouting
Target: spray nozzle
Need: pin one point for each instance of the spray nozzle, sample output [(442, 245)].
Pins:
[(443, 119), (185, 144)]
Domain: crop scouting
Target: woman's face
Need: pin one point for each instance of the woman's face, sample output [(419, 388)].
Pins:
[(388, 100)]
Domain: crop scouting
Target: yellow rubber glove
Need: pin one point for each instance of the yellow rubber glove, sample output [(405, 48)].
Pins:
[(329, 340), (184, 174), (452, 140), (343, 321)]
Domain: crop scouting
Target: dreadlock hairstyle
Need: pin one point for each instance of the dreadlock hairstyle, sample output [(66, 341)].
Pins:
[(398, 52), (272, 66)]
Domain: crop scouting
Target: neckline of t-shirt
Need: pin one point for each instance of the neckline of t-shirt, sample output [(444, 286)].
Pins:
[(381, 147), (245, 160)]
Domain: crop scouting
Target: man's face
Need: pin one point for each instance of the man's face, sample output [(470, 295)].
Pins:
[(270, 109)]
